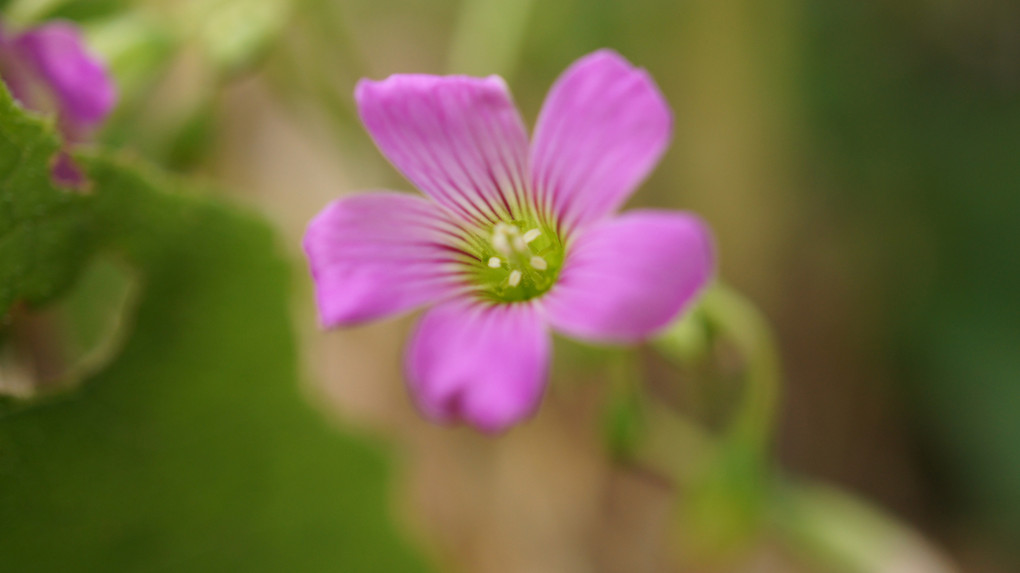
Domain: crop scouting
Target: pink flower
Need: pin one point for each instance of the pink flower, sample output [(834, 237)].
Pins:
[(514, 239), (49, 69)]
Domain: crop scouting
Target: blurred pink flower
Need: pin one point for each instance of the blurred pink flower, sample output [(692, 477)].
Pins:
[(48, 69), (513, 239)]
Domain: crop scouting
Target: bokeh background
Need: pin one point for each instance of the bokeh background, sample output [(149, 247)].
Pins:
[(858, 160)]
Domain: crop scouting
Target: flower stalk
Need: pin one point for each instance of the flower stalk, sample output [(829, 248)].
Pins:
[(732, 492)]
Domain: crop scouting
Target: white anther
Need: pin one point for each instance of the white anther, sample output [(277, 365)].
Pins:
[(494, 263), (519, 245), (532, 235), (515, 278), (539, 264)]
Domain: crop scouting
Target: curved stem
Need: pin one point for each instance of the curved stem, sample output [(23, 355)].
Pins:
[(729, 313), (726, 479), (733, 490), (725, 314)]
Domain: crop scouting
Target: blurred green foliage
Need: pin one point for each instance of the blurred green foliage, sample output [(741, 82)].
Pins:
[(916, 114), (194, 449)]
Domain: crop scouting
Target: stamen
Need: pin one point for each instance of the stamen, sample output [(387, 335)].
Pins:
[(520, 262)]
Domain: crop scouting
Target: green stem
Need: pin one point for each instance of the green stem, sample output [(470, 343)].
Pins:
[(726, 488), (731, 489), (624, 417), (724, 314), (733, 316)]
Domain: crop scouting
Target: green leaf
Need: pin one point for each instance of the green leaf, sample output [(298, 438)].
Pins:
[(833, 531), (29, 202), (194, 449)]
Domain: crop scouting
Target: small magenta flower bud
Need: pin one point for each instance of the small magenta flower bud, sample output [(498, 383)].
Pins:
[(48, 69)]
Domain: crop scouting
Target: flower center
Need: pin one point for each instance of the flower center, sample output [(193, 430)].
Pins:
[(520, 261)]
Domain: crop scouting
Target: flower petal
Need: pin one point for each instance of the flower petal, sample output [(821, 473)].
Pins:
[(459, 139), (628, 277), (56, 55), (483, 364), (602, 129), (378, 254)]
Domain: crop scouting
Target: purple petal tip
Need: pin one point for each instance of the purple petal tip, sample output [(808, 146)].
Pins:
[(54, 56)]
